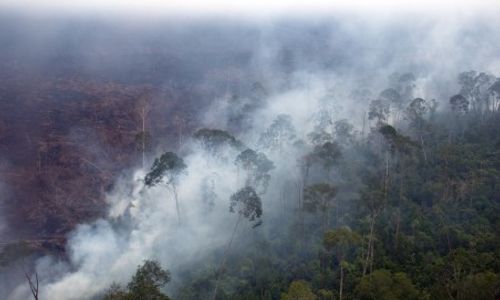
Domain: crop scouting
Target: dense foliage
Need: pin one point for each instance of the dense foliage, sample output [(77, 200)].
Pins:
[(144, 285), (408, 209)]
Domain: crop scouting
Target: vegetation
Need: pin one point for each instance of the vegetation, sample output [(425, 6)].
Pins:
[(408, 210), (145, 284)]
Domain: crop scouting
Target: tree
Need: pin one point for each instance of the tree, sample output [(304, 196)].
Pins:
[(344, 132), (167, 169), (481, 286), (415, 113), (323, 130), (143, 144), (181, 121), (115, 292), (379, 112), (400, 147), (146, 284), (299, 290), (495, 91), (383, 285), (147, 281), (319, 198), (327, 155), (215, 140), (460, 107), (280, 133), (404, 84), (143, 138), (248, 205), (474, 87), (208, 190), (459, 104), (375, 201), (33, 285), (257, 167), (394, 101), (397, 143), (341, 240)]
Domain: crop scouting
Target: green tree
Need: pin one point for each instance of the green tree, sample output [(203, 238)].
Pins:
[(327, 154), (257, 167), (383, 285), (341, 240), (415, 114), (248, 205), (167, 169), (481, 286), (215, 141), (146, 284), (319, 198), (147, 281), (299, 290)]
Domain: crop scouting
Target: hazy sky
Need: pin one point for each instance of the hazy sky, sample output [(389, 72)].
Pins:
[(247, 7)]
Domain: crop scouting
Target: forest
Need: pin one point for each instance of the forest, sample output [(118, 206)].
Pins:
[(406, 207)]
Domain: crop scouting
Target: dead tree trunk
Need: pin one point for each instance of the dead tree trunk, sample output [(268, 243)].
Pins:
[(33, 286)]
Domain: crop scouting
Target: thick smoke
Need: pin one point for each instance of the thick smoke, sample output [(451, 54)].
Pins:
[(302, 67)]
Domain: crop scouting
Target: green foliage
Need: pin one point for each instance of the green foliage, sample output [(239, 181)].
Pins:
[(396, 141), (299, 290), (168, 166), (246, 203), (145, 284), (319, 197), (342, 238), (116, 292), (420, 195), (481, 286), (325, 295), (214, 140), (384, 285), (327, 154)]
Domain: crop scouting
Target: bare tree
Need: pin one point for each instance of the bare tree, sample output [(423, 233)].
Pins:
[(33, 285)]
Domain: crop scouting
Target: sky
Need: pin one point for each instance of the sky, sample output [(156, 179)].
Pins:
[(247, 7)]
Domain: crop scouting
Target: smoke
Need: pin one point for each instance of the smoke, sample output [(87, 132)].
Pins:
[(302, 67), (250, 9)]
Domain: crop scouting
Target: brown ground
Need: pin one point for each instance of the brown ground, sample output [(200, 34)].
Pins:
[(63, 142)]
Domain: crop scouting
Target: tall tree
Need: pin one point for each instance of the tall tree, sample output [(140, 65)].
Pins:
[(167, 169), (248, 205), (146, 284), (279, 134), (378, 111), (341, 240), (415, 113), (215, 141), (257, 167), (327, 155), (299, 290), (319, 198)]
